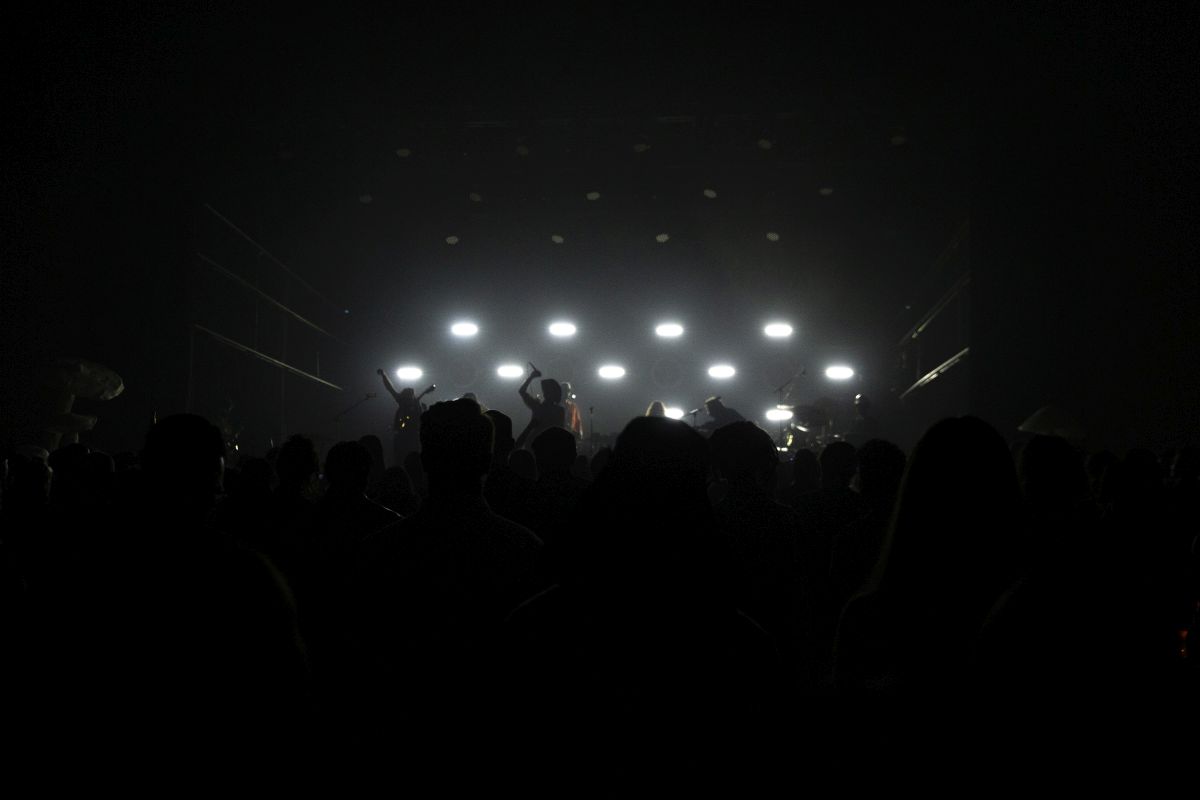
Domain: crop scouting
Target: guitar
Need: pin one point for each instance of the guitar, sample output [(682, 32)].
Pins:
[(404, 416)]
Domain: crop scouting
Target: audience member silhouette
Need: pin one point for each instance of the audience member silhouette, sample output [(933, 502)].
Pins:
[(954, 547), (557, 489), (170, 642), (806, 475), (436, 586), (763, 535), (857, 547), (641, 639), (508, 493)]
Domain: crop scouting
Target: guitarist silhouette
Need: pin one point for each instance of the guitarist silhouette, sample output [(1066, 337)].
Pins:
[(406, 424)]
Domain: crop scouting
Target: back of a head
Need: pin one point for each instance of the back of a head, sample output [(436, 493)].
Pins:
[(554, 451), (296, 462), (839, 462), (600, 461), (348, 468), (502, 440), (957, 520), (456, 442), (375, 447), (806, 472), (551, 391), (523, 463), (183, 458), (660, 457), (880, 469), (744, 453), (1052, 473)]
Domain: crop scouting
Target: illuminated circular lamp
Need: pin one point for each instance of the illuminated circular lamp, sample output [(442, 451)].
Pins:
[(510, 371), (669, 330), (778, 330), (839, 373), (409, 373), (611, 372), (721, 371)]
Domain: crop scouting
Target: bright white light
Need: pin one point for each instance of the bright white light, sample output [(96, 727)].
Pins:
[(510, 370), (562, 329), (557, 239), (778, 330), (593, 195), (711, 194), (779, 414), (669, 330), (611, 372), (409, 373), (721, 371), (663, 238), (451, 240), (839, 373), (674, 412), (772, 236)]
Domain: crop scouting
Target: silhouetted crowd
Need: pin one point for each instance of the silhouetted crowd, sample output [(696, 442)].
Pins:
[(674, 614)]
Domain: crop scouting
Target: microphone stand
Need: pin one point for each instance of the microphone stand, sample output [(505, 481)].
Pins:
[(780, 391), (341, 414)]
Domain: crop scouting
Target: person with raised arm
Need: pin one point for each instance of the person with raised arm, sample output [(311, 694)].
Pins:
[(548, 412)]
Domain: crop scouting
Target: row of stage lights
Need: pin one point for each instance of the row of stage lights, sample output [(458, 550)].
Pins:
[(614, 372), (562, 329)]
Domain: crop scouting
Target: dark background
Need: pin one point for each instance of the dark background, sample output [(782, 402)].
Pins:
[(1056, 149)]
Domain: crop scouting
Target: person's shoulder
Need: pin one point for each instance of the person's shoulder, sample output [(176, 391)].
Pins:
[(512, 532)]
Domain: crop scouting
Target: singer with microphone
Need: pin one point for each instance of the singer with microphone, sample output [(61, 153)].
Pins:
[(406, 424), (548, 412)]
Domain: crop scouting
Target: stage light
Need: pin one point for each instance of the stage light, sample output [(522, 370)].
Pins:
[(772, 236), (779, 415), (451, 240), (475, 197), (839, 373), (721, 371), (778, 330), (673, 412), (711, 194), (510, 370), (409, 373), (611, 372), (593, 195), (464, 329), (669, 330), (561, 329), (557, 239), (662, 238)]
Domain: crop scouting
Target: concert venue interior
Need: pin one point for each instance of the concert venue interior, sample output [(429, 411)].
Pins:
[(378, 178), (244, 213)]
